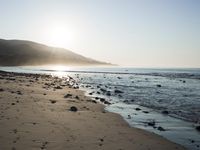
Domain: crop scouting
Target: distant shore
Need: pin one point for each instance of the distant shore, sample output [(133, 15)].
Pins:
[(45, 112)]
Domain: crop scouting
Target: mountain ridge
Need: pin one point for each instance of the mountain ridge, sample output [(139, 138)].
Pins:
[(21, 53)]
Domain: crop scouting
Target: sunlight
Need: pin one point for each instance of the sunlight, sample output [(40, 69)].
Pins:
[(60, 68), (58, 34)]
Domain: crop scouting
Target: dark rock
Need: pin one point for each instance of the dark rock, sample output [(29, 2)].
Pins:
[(165, 112), (68, 95), (13, 103), (19, 92), (107, 103), (161, 129), (198, 128), (158, 85), (58, 87), (98, 92), (146, 112), (108, 93), (94, 101), (102, 99), (103, 90), (101, 140), (73, 108), (96, 98), (138, 109), (1, 90), (53, 101), (118, 91), (184, 81), (152, 123), (77, 97), (125, 101)]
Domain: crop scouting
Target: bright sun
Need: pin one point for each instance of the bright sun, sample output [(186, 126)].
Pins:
[(58, 35)]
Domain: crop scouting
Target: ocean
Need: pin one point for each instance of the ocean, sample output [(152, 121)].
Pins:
[(162, 101)]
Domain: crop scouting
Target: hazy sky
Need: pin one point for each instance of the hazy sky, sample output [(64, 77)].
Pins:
[(139, 33)]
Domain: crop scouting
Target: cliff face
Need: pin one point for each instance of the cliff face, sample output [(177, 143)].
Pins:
[(21, 53)]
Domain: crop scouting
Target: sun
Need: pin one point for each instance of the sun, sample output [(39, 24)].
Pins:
[(58, 34)]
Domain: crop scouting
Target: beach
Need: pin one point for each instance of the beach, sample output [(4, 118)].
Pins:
[(45, 112)]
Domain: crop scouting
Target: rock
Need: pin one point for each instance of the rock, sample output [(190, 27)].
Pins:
[(101, 140), (198, 128), (184, 81), (125, 101), (108, 93), (1, 90), (98, 92), (138, 109), (158, 85), (73, 108), (146, 112), (103, 90), (94, 101), (118, 91), (161, 129), (96, 98), (165, 112), (107, 103), (68, 95), (19, 92), (77, 97), (91, 93), (152, 123), (102, 99), (129, 116), (53, 101), (58, 87)]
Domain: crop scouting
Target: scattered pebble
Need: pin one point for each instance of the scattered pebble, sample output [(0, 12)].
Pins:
[(73, 108)]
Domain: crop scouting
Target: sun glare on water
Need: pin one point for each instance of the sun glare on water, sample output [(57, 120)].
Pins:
[(60, 68)]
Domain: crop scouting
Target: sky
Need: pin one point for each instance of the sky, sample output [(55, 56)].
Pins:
[(137, 33)]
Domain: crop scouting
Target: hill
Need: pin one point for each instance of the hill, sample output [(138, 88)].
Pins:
[(26, 53)]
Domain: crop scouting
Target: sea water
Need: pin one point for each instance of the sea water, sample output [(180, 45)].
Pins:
[(170, 98)]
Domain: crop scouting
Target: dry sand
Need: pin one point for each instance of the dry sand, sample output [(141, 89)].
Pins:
[(35, 115)]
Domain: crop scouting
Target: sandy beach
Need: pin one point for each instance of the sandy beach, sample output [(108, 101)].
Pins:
[(44, 112)]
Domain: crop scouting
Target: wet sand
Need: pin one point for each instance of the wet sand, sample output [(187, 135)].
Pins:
[(43, 112)]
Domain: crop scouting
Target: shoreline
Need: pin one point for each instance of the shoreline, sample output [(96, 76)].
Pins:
[(35, 113)]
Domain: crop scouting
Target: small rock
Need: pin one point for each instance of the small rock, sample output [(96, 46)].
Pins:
[(76, 97), (73, 108), (152, 123), (158, 85), (1, 90), (146, 112), (67, 95), (94, 101), (53, 101), (138, 109), (102, 99), (107, 103), (108, 93), (118, 91), (198, 128), (165, 112), (161, 128)]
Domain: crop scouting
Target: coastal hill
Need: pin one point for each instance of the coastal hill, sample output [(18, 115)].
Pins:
[(22, 53)]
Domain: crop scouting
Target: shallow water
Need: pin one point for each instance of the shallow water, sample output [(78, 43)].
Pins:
[(176, 91)]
